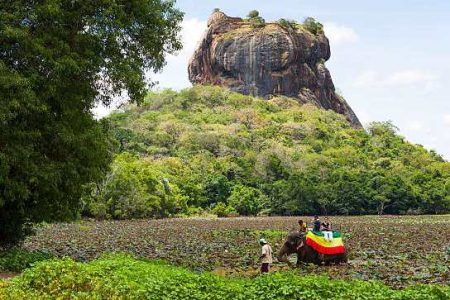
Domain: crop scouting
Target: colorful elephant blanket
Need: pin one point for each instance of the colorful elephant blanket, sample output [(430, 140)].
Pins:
[(317, 241)]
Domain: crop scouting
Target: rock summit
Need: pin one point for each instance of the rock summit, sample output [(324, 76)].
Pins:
[(268, 59)]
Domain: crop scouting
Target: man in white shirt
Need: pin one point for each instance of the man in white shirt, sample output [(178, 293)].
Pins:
[(266, 255)]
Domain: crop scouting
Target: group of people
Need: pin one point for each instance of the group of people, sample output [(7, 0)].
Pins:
[(317, 226)]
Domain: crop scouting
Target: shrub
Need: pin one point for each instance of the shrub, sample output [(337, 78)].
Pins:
[(17, 260), (288, 24), (257, 22), (313, 26), (222, 210)]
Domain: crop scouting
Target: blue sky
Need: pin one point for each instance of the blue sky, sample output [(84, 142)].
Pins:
[(390, 59)]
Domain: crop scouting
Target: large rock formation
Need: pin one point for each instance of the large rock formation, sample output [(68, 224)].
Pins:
[(267, 61)]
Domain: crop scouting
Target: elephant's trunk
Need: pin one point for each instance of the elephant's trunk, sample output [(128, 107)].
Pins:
[(282, 253)]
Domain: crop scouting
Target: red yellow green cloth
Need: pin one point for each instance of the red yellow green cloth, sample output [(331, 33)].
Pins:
[(317, 241)]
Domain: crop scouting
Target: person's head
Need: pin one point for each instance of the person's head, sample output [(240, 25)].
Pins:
[(316, 217), (300, 222), (262, 241)]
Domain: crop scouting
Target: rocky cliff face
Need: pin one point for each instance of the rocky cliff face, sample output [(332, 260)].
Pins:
[(266, 61)]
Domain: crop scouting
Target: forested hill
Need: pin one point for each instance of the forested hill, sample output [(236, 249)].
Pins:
[(209, 149)]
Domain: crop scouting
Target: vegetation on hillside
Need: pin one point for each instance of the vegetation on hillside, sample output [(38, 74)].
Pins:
[(57, 59), (310, 24), (121, 276), (206, 146)]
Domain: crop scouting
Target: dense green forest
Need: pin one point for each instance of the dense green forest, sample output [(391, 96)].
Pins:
[(206, 149)]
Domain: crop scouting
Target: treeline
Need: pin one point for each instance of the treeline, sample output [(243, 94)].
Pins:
[(208, 149)]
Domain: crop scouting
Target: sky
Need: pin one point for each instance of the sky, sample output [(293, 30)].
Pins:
[(389, 59)]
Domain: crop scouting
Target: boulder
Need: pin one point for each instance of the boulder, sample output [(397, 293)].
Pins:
[(267, 61)]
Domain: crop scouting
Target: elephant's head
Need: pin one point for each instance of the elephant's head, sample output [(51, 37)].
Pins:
[(290, 245)]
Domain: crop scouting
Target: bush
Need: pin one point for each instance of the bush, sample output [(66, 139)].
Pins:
[(17, 260), (121, 276), (257, 22), (222, 210), (288, 24), (313, 26)]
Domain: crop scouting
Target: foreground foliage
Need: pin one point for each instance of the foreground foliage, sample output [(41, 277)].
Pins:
[(400, 251), (57, 59), (17, 260), (206, 146), (121, 276)]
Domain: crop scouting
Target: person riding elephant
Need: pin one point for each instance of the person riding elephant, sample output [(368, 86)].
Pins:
[(296, 243)]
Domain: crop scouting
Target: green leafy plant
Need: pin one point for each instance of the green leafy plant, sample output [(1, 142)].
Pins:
[(121, 276), (17, 260)]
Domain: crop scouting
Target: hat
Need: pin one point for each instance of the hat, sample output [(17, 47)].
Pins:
[(262, 241)]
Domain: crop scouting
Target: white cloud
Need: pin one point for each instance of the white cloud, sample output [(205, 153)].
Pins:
[(367, 79), (405, 78), (339, 34), (415, 125), (447, 119), (409, 77)]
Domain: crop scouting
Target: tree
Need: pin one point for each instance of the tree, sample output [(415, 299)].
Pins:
[(313, 26), (58, 58), (247, 200), (135, 189), (253, 14), (255, 19)]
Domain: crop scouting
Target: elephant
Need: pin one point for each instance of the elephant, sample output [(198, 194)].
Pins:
[(307, 254)]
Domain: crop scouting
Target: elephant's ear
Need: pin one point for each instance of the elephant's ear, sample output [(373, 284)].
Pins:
[(301, 243)]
